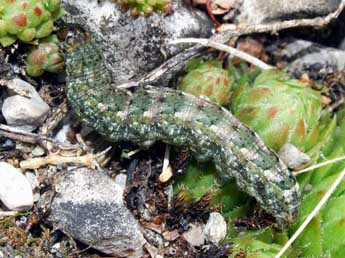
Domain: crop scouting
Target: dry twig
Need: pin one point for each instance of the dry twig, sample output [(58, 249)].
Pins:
[(222, 47), (54, 119), (55, 159), (228, 30), (23, 136), (89, 160)]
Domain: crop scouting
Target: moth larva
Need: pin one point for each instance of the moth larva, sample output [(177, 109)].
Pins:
[(149, 113)]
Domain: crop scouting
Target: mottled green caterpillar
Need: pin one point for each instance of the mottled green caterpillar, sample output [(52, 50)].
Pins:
[(148, 114)]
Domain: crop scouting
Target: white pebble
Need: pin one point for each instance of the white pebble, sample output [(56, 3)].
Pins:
[(27, 111), (195, 235), (215, 229), (15, 190), (293, 157)]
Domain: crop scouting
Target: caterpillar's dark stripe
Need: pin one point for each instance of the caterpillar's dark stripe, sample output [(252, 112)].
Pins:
[(208, 130)]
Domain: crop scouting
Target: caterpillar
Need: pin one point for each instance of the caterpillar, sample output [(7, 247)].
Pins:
[(148, 113)]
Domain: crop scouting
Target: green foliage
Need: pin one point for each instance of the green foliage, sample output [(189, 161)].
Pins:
[(279, 109), (145, 7), (209, 79), (324, 236), (322, 138), (201, 179), (47, 56), (27, 19)]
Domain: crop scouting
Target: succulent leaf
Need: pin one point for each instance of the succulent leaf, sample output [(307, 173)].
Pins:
[(27, 19), (279, 109), (145, 7), (45, 57), (208, 79)]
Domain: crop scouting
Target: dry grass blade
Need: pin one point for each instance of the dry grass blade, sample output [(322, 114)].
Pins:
[(222, 47), (322, 164)]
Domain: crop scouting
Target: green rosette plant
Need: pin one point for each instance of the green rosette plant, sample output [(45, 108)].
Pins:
[(145, 7), (209, 79), (47, 56), (323, 139), (324, 236), (281, 110), (27, 19)]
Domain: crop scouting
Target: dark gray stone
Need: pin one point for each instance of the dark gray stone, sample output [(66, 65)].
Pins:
[(313, 59), (134, 47), (263, 11), (88, 206)]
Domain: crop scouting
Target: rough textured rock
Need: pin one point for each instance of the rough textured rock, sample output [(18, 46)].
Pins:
[(310, 58), (15, 190), (134, 47), (88, 206), (25, 111), (316, 57), (215, 229), (263, 11)]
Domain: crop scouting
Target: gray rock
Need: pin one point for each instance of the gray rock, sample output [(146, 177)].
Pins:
[(313, 59), (88, 206), (293, 157), (195, 235), (215, 229), (134, 47), (25, 111), (263, 11), (15, 190)]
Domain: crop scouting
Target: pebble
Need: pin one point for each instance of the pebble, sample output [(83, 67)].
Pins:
[(61, 135), (195, 235), (264, 11), (25, 111), (306, 57), (88, 206), (15, 190), (215, 229), (38, 151), (293, 157)]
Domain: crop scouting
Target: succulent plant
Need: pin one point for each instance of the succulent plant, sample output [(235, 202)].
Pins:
[(145, 7), (27, 19), (281, 110), (45, 57), (209, 79)]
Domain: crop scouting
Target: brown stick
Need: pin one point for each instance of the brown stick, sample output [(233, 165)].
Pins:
[(55, 159), (54, 119), (23, 136), (227, 31)]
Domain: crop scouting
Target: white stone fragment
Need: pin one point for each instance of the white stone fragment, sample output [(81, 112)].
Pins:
[(61, 135), (121, 180), (195, 235), (215, 229), (293, 157), (24, 109), (15, 190)]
